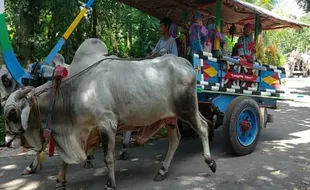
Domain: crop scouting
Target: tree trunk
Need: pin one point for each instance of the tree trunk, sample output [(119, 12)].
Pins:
[(129, 32), (29, 18)]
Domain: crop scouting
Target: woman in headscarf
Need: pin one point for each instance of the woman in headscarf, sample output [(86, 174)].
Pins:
[(246, 45), (197, 34), (214, 33)]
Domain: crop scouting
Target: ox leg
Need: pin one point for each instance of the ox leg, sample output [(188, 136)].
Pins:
[(88, 163), (201, 126), (108, 143), (123, 155), (61, 177), (36, 162), (31, 169), (174, 139)]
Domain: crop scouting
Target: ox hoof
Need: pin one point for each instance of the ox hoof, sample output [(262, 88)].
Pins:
[(109, 186), (212, 164), (60, 186), (123, 156), (160, 176), (28, 171), (88, 165)]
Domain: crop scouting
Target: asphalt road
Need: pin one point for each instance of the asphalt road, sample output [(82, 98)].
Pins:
[(281, 161)]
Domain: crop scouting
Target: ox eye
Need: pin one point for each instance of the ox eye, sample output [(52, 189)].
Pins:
[(6, 81), (12, 116)]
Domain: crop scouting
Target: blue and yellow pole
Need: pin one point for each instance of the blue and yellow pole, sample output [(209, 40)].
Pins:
[(69, 31)]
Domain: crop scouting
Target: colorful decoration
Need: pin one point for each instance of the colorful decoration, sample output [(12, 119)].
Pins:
[(208, 71), (240, 76), (272, 80), (198, 68)]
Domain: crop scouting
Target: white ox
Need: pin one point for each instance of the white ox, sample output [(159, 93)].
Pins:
[(113, 96), (8, 85)]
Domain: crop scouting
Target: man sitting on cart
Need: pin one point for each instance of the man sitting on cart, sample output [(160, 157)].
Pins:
[(166, 44), (246, 45)]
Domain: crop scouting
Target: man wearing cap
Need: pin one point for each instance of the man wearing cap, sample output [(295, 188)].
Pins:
[(246, 45)]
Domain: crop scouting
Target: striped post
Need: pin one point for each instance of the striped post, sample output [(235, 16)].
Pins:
[(10, 60), (69, 31)]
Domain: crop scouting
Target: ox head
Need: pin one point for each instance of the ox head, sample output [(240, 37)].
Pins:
[(18, 113)]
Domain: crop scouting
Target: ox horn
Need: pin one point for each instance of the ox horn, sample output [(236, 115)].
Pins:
[(22, 92)]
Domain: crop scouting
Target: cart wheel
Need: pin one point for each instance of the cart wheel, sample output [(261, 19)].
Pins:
[(241, 126)]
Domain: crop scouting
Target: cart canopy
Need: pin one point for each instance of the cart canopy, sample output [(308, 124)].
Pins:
[(233, 12)]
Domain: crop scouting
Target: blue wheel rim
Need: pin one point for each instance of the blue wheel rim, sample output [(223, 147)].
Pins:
[(247, 127)]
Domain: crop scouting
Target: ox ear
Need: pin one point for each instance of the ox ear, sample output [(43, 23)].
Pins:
[(25, 115)]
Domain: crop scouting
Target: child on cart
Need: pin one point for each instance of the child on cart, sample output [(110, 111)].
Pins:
[(214, 33), (246, 51), (246, 45)]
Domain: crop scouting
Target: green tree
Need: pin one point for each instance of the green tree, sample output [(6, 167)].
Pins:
[(38, 25), (267, 4), (305, 4)]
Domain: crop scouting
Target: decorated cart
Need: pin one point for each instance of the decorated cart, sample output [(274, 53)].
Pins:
[(225, 97), (228, 96)]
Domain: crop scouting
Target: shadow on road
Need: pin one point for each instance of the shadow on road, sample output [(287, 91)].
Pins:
[(281, 161), (301, 90)]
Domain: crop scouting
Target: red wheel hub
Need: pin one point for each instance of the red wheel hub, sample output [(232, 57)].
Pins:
[(245, 126)]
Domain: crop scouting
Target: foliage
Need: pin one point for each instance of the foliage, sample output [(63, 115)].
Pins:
[(273, 56), (279, 43), (230, 42), (267, 4), (36, 26), (290, 39), (269, 54), (305, 4)]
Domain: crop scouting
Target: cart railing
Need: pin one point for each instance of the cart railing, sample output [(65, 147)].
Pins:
[(237, 76)]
